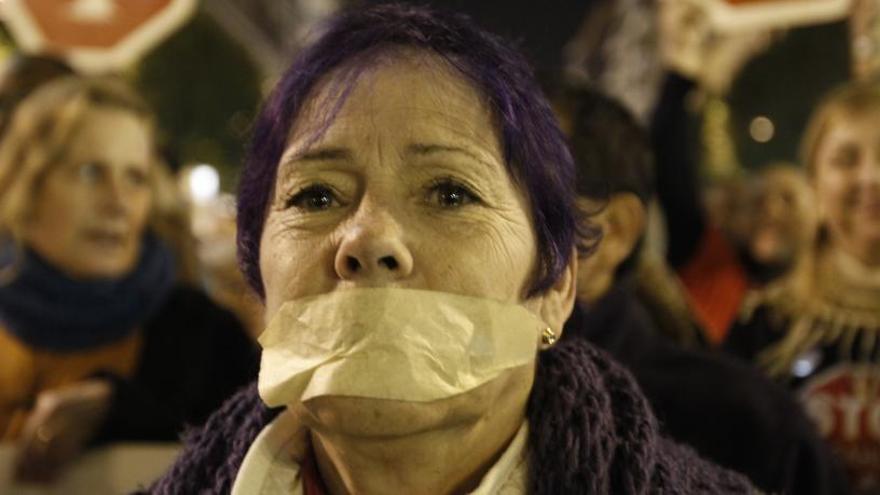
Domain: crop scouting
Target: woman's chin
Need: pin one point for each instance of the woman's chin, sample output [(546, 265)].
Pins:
[(110, 267), (386, 418), (383, 418)]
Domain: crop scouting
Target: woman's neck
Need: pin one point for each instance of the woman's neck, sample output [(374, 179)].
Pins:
[(858, 265), (868, 256), (451, 458), (842, 280), (452, 462)]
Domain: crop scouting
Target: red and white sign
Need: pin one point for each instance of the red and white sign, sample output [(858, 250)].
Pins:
[(749, 15), (94, 35), (844, 402)]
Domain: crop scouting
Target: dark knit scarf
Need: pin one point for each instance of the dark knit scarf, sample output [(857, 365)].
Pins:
[(46, 309), (590, 432)]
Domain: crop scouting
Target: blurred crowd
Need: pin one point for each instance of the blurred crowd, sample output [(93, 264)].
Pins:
[(743, 298)]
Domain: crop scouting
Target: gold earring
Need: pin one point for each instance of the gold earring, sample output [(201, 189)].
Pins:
[(548, 337)]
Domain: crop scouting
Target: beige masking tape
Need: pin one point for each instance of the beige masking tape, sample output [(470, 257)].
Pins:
[(399, 344)]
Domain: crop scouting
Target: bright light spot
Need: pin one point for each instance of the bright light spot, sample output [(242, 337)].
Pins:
[(762, 129), (204, 183), (806, 363)]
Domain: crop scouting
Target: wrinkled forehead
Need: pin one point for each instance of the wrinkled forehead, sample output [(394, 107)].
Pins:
[(406, 92)]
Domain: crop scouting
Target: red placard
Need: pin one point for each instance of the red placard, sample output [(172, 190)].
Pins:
[(738, 2), (58, 22), (844, 402), (94, 35), (750, 15)]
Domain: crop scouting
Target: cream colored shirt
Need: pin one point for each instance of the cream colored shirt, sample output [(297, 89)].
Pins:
[(271, 465)]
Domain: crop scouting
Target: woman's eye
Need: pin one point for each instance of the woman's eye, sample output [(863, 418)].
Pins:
[(449, 194), (313, 198), (137, 178), (845, 157), (89, 172)]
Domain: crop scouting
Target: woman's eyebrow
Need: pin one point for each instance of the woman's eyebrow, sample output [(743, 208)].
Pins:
[(311, 156), (422, 149), (321, 155)]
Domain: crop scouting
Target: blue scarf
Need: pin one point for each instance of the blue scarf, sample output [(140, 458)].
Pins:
[(48, 310)]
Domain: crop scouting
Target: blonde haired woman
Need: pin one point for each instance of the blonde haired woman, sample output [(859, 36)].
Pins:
[(818, 330), (97, 339)]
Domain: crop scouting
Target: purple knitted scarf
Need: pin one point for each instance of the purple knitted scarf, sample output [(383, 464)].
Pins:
[(591, 431)]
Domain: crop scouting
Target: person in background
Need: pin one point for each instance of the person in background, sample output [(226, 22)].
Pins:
[(98, 342), (726, 410), (768, 216), (704, 246), (816, 330), (780, 224), (408, 182), (22, 74)]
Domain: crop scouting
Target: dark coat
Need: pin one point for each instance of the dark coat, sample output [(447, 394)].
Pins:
[(729, 412), (591, 431), (839, 357), (194, 356)]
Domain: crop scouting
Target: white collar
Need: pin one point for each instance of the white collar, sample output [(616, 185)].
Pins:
[(272, 463)]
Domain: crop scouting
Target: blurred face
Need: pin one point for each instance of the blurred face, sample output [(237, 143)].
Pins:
[(847, 184), (622, 220), (407, 188), (782, 217), (91, 209)]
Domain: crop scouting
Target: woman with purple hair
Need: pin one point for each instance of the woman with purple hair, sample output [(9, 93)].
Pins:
[(407, 215)]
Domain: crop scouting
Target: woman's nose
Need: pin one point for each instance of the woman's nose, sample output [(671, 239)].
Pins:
[(774, 205), (373, 250), (113, 195)]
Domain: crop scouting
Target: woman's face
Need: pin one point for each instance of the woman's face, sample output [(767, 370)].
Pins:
[(782, 216), (847, 183), (407, 188), (91, 209)]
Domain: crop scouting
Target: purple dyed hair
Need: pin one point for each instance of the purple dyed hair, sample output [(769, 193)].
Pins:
[(534, 148)]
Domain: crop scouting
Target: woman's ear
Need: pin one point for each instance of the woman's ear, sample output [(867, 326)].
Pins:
[(626, 220), (555, 305)]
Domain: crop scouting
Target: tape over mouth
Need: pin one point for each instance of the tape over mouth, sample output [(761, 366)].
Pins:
[(389, 343)]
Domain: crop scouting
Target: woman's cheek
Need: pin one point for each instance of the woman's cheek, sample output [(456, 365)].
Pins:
[(836, 208), (294, 265), (828, 194), (486, 258)]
